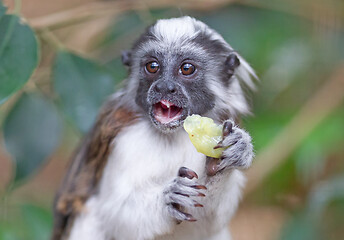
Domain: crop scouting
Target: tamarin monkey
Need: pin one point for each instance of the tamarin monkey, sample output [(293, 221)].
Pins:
[(137, 175)]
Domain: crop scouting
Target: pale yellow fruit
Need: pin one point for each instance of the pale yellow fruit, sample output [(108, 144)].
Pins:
[(204, 134)]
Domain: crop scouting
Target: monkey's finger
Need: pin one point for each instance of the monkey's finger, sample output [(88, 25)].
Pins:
[(181, 216), (180, 200), (230, 140), (226, 130), (187, 217), (183, 194), (186, 172), (186, 187), (187, 192)]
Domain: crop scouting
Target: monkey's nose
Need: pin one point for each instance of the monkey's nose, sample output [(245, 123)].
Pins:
[(171, 87), (165, 87)]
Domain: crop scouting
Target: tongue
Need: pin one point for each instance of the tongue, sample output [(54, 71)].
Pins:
[(172, 112), (168, 109)]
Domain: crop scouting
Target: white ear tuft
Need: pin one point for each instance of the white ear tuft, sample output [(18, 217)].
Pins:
[(245, 74)]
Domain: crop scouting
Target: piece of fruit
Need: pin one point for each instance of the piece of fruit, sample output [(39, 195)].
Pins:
[(204, 134)]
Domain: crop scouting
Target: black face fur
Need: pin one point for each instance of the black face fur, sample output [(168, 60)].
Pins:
[(170, 95)]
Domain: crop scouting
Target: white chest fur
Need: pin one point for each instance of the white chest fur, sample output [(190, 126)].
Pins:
[(142, 156), (129, 204)]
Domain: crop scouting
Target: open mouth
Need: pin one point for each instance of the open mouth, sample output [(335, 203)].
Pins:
[(166, 112)]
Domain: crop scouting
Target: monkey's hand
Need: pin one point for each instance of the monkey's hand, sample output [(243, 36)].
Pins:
[(238, 151), (180, 193)]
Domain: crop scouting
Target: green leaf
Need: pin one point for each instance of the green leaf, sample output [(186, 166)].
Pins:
[(122, 26), (309, 161), (26, 222), (8, 232), (255, 32), (324, 140), (311, 222), (324, 193), (31, 132), (82, 86), (38, 221), (301, 227), (118, 71), (2, 9), (18, 54)]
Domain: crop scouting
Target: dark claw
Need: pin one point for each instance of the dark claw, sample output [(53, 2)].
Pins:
[(227, 129), (185, 172), (185, 216), (201, 194), (199, 187), (219, 145), (198, 205), (189, 218)]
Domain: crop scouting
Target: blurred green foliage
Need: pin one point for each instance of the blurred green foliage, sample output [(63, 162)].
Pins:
[(42, 123), (81, 86), (18, 47), (293, 57), (28, 222)]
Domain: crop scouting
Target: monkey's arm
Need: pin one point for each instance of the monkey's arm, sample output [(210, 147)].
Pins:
[(87, 166)]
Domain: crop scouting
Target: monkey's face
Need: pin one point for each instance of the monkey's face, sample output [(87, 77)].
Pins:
[(178, 69), (172, 86)]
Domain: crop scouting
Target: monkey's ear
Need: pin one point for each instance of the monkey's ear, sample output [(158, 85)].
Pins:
[(232, 62), (126, 58)]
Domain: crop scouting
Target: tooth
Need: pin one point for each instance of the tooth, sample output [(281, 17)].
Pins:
[(166, 103)]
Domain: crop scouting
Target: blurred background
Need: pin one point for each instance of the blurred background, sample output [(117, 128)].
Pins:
[(60, 59)]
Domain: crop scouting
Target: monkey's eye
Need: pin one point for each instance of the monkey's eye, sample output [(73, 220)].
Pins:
[(187, 69), (152, 67)]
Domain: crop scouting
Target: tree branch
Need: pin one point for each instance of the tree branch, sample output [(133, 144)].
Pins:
[(90, 11)]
